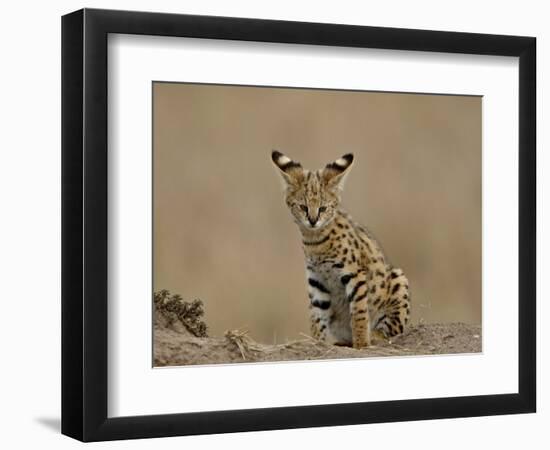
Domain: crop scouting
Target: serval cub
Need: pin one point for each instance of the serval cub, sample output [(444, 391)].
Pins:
[(354, 293)]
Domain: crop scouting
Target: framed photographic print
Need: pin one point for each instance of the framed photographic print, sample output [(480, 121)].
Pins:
[(272, 224)]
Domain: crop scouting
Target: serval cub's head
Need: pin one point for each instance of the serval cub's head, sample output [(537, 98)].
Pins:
[(313, 197)]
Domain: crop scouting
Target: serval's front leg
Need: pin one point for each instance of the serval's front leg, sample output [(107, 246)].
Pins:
[(356, 294), (319, 307)]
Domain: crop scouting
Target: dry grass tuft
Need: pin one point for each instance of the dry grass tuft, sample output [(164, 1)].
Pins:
[(173, 308)]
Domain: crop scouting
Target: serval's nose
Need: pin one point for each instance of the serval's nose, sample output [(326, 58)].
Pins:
[(312, 220)]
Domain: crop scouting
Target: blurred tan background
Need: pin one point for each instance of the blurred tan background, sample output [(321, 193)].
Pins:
[(222, 232)]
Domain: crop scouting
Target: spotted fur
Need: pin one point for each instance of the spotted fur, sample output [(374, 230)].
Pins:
[(354, 293)]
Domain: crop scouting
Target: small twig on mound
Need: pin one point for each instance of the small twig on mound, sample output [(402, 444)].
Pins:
[(310, 338), (244, 343)]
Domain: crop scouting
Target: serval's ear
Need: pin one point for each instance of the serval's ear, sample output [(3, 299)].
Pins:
[(291, 171), (335, 173)]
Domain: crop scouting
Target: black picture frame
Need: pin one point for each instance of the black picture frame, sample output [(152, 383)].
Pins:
[(84, 224)]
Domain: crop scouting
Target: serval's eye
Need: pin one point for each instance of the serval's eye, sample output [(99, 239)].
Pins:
[(322, 209), (303, 208)]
